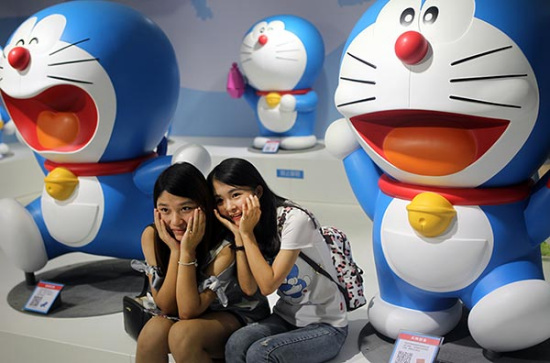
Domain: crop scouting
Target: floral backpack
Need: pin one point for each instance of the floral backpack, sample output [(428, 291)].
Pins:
[(350, 279)]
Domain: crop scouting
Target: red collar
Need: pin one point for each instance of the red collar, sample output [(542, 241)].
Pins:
[(100, 169), (457, 196), (289, 92)]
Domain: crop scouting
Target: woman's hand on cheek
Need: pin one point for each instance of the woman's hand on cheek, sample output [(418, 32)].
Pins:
[(163, 232), (226, 222), (194, 232), (251, 214)]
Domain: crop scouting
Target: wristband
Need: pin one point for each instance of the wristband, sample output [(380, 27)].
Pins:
[(237, 248), (192, 263)]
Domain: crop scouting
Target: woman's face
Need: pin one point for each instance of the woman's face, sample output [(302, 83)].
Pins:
[(175, 212), (230, 200)]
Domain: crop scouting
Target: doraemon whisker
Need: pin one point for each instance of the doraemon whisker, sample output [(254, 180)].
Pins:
[(70, 80), (246, 52), (246, 60), (74, 61), (70, 45), (357, 80), (357, 101), (361, 60), (480, 55), (288, 59), (287, 50), (470, 79), (285, 43), (472, 100)]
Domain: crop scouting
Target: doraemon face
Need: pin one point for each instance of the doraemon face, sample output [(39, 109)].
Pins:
[(435, 95), (59, 96), (273, 58)]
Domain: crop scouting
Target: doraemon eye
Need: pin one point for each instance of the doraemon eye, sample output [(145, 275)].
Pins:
[(396, 17), (259, 29), (407, 17), (33, 41), (430, 15), (20, 43), (276, 25), (446, 21)]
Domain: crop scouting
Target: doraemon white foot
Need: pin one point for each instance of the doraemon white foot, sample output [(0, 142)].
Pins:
[(20, 237), (281, 56), (298, 142), (513, 317), (389, 319)]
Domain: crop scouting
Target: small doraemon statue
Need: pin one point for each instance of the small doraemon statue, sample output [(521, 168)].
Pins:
[(281, 57), (91, 87), (446, 109)]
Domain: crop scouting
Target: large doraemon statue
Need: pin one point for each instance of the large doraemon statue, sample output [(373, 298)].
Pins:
[(91, 87), (281, 57), (447, 118)]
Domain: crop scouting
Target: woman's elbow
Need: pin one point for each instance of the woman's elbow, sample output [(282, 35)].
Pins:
[(267, 290), (187, 314)]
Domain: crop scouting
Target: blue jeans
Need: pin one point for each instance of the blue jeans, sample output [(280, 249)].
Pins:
[(275, 340)]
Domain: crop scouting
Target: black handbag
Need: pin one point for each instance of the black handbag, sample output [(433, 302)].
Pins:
[(134, 313)]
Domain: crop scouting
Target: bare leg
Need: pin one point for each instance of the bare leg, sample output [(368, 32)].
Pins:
[(152, 343), (203, 339)]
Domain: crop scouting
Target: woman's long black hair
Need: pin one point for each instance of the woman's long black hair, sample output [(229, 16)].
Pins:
[(241, 173), (186, 181)]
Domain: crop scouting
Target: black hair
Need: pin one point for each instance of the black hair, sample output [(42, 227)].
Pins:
[(241, 173), (186, 181)]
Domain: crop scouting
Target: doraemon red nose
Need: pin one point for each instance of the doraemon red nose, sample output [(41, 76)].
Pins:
[(411, 47), (19, 58), (262, 39)]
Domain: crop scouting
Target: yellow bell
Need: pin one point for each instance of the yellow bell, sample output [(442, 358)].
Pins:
[(60, 183), (430, 214), (273, 99)]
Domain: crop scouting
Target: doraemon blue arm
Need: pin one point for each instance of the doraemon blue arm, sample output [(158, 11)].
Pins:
[(91, 87), (446, 120), (281, 57)]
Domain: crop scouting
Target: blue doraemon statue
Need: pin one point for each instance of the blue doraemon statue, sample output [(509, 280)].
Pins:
[(281, 57), (91, 87), (446, 109)]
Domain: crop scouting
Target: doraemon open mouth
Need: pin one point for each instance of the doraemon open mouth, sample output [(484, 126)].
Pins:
[(429, 143), (62, 118)]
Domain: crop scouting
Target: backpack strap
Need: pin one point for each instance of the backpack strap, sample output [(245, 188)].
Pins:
[(317, 267)]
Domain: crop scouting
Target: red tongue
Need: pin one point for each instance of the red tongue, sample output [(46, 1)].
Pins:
[(57, 129)]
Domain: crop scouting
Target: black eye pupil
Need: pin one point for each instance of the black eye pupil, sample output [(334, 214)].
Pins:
[(407, 16), (430, 16)]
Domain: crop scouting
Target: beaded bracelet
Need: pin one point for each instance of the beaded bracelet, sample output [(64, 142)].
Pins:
[(192, 263)]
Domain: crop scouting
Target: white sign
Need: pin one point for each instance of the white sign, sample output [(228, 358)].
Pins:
[(44, 297), (413, 347)]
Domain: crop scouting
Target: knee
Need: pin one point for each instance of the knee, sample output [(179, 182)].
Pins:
[(183, 338), (151, 338), (235, 348), (259, 351)]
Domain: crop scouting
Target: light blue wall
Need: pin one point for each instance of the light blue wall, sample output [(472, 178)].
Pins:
[(207, 35)]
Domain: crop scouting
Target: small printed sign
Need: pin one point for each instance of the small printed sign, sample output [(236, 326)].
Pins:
[(44, 296), (271, 147), (413, 347), (290, 173)]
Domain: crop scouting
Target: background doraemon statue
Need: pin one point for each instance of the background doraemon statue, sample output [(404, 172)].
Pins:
[(91, 87), (281, 57), (447, 118)]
